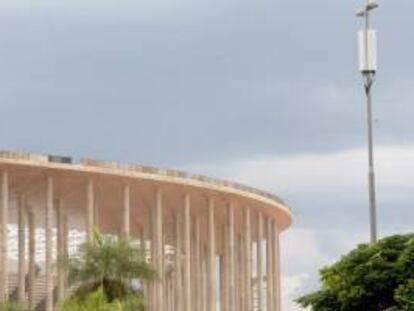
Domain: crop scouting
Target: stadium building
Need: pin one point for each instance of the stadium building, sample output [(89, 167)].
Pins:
[(214, 243)]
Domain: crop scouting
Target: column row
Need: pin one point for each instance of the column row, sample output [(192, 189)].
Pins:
[(214, 266)]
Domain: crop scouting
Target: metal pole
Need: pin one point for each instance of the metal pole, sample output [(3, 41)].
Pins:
[(369, 80), (371, 173)]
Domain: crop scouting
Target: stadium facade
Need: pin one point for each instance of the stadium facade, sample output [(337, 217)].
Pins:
[(214, 243)]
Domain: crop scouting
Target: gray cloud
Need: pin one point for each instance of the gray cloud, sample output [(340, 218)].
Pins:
[(173, 81), (184, 83)]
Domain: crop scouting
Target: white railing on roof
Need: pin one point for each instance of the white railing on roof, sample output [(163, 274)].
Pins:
[(12, 155), (145, 169), (179, 174)]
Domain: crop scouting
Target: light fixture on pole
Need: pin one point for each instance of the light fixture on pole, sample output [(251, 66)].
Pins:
[(368, 67)]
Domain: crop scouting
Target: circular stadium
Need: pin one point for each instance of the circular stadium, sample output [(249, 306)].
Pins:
[(214, 243)]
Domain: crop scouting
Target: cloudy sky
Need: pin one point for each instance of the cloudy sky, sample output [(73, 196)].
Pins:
[(265, 92)]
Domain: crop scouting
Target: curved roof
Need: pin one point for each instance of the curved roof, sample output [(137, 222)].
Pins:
[(272, 205)]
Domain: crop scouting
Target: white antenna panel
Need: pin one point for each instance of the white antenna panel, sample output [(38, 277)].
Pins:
[(367, 44)]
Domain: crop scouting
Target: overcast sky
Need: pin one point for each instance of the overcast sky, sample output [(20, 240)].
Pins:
[(266, 92)]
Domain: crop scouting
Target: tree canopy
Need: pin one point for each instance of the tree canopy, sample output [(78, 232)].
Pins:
[(372, 277)]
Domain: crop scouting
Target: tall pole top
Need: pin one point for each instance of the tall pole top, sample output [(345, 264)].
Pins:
[(367, 41), (365, 10)]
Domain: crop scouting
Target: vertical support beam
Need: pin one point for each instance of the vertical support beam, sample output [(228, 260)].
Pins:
[(240, 272), (269, 264), (164, 265), (60, 250), (205, 278), (222, 282), (212, 282), (171, 293), (225, 273), (159, 250), (153, 260), (248, 257), (276, 267), (235, 264), (232, 257), (126, 211), (178, 269), (90, 204), (65, 246), (21, 291), (197, 228), (167, 293), (194, 267), (187, 253), (142, 242), (4, 217), (49, 245), (143, 246), (32, 252), (260, 262)]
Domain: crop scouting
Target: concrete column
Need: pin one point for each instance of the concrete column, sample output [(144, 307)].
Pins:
[(153, 259), (260, 261), (205, 278), (239, 273), (194, 269), (4, 217), (65, 246), (159, 251), (212, 282), (242, 273), (143, 246), (171, 293), (90, 206), (164, 267), (60, 250), (276, 267), (222, 282), (178, 269), (269, 266), (32, 252), (198, 264), (167, 294), (232, 257), (248, 257), (126, 211), (142, 241), (48, 243), (187, 254), (225, 274), (237, 264), (21, 289)]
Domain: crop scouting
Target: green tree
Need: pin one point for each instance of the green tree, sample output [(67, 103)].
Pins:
[(111, 264), (404, 297), (12, 306), (372, 277), (98, 301)]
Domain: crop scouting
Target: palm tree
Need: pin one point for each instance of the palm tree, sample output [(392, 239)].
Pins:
[(114, 264)]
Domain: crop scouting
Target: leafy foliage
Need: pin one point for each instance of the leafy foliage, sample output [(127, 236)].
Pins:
[(12, 306), (404, 297), (110, 265), (372, 277), (98, 301)]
